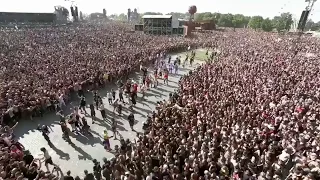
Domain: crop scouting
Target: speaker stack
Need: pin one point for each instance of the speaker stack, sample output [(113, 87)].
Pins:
[(129, 14), (303, 19), (74, 12)]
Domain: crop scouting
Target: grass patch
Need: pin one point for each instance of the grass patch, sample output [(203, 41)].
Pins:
[(200, 55)]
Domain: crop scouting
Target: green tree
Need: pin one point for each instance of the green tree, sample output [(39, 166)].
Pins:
[(225, 20), (238, 21), (267, 25), (246, 21), (198, 16), (275, 21), (178, 15), (122, 17), (316, 26), (282, 22), (216, 16), (208, 16), (256, 22), (309, 25), (287, 18)]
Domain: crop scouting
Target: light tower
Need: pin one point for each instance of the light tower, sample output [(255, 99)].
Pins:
[(305, 15), (74, 9)]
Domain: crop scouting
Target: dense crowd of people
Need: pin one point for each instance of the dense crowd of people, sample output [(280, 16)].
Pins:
[(40, 65), (253, 113)]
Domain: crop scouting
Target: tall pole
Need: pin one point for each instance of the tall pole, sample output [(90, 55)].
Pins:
[(305, 16), (73, 4), (308, 8)]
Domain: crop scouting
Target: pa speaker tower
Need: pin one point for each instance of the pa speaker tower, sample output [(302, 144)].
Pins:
[(76, 12), (303, 19), (72, 11)]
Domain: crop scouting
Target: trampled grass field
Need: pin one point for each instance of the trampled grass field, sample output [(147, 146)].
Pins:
[(200, 54)]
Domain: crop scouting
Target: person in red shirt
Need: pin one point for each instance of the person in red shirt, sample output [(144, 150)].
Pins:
[(165, 77), (135, 88)]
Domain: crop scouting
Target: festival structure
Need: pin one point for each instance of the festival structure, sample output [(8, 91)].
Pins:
[(157, 24), (15, 17), (189, 27)]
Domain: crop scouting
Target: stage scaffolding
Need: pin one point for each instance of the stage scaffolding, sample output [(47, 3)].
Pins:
[(157, 24)]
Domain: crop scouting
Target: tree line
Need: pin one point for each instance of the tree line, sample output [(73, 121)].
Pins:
[(280, 23), (283, 22)]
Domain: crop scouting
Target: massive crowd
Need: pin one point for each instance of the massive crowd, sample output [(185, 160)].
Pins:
[(253, 113), (40, 65)]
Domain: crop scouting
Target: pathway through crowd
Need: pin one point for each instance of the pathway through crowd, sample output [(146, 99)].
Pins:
[(78, 156)]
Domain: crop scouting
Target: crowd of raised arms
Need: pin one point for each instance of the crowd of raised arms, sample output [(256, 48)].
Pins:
[(253, 113)]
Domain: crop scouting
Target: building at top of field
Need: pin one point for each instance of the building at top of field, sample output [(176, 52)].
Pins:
[(25, 17), (160, 25)]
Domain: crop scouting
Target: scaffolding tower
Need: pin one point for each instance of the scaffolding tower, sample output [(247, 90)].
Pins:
[(157, 24)]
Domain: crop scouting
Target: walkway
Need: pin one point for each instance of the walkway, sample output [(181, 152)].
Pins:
[(78, 157)]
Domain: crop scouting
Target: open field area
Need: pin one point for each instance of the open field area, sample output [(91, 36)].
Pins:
[(200, 55)]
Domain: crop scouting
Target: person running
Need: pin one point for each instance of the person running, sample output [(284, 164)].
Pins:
[(83, 104), (61, 101), (85, 126), (115, 105), (114, 128), (166, 77), (119, 109), (113, 92), (47, 159), (121, 95), (95, 99), (131, 120), (103, 111), (65, 131), (92, 112), (106, 141), (109, 97), (45, 131), (176, 67)]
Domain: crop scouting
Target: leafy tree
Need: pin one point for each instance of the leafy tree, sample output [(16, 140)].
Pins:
[(309, 25), (246, 21), (256, 22), (216, 16), (287, 20), (225, 20), (283, 22), (275, 20), (179, 15), (199, 16), (208, 16), (122, 17), (267, 25), (238, 21), (316, 26)]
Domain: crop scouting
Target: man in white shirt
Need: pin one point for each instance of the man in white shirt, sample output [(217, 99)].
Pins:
[(61, 101), (47, 159), (110, 98)]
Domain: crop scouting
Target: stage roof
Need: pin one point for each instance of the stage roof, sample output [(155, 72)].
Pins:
[(156, 16)]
